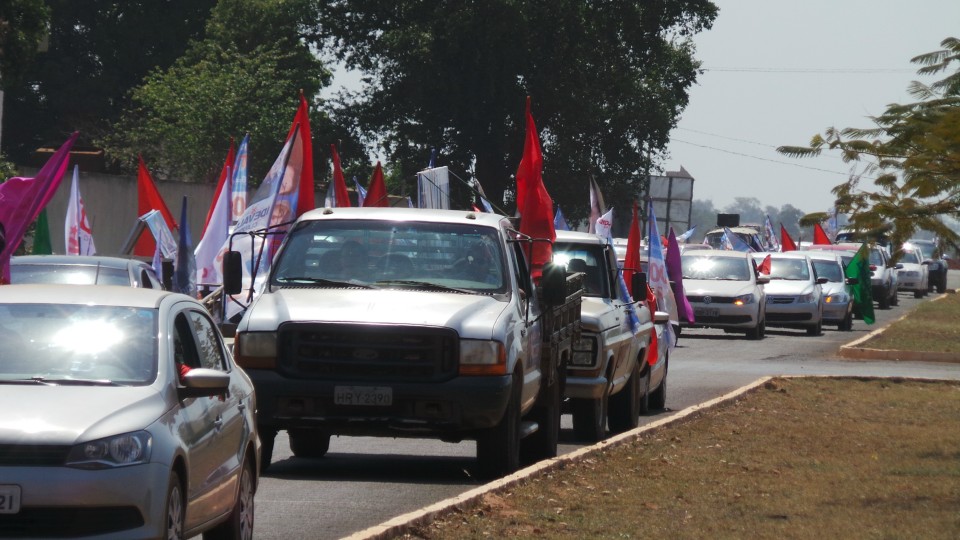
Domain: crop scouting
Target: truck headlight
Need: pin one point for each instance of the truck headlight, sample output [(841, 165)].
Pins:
[(584, 352), (256, 350), (482, 357), (117, 451)]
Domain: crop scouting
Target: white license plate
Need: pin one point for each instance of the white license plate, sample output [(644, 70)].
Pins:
[(9, 499), (377, 396), (706, 312)]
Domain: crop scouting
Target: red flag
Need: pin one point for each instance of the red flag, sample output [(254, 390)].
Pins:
[(786, 243), (820, 237), (305, 197), (653, 352), (148, 198), (764, 267), (339, 183), (377, 192), (224, 172), (533, 201), (631, 263)]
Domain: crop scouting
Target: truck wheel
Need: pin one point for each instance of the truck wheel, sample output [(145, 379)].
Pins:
[(542, 444), (884, 301), (658, 399), (498, 447), (895, 301), (267, 438), (590, 418), (309, 443), (625, 406)]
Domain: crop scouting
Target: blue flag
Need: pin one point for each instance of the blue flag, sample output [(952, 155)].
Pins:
[(185, 266), (559, 223), (734, 242), (361, 193)]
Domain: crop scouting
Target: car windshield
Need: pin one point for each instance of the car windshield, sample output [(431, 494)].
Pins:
[(375, 253), (68, 342), (725, 268), (828, 269), (68, 274), (876, 258), (586, 259), (790, 269), (911, 256)]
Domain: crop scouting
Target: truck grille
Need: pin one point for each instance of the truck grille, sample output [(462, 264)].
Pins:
[(368, 352)]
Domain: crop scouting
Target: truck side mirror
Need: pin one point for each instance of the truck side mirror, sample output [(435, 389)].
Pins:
[(232, 272), (852, 281), (553, 284), (638, 284)]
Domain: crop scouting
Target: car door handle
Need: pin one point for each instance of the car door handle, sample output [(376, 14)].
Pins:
[(241, 406), (218, 423)]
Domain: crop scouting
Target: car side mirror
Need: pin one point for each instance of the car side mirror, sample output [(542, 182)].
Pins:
[(232, 272), (899, 266), (763, 279), (661, 317), (852, 281), (823, 280), (203, 382), (638, 284)]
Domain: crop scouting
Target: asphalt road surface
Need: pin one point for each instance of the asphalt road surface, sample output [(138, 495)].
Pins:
[(365, 481)]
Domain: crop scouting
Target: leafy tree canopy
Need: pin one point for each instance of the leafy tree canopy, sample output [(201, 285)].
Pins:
[(23, 24), (912, 155), (608, 81)]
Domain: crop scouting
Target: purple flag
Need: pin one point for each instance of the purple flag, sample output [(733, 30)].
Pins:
[(675, 273), (22, 199)]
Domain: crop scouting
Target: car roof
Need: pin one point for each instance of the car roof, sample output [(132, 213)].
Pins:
[(740, 229), (780, 254), (405, 214), (103, 295), (828, 255), (730, 254), (579, 237), (77, 260)]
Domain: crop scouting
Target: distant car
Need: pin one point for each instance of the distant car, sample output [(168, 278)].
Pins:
[(914, 276), (724, 290), (693, 247), (794, 293), (884, 280), (936, 264), (749, 235), (105, 434), (83, 270), (837, 301)]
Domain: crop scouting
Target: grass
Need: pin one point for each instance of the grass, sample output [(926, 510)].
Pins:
[(796, 458), (931, 326)]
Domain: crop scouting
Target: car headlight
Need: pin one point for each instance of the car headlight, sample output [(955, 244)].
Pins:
[(256, 350), (584, 352), (838, 298), (805, 298), (482, 357), (744, 299), (117, 451)]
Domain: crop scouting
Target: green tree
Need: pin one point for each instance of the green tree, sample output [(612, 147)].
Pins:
[(98, 50), (245, 76), (23, 24), (608, 81), (912, 155)]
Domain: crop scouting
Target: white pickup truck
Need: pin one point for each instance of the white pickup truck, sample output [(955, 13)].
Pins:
[(609, 378), (402, 322)]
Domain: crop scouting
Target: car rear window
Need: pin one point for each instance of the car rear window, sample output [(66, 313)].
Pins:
[(68, 274)]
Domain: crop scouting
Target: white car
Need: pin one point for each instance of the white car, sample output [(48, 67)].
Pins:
[(914, 276), (725, 291), (794, 294), (837, 300), (124, 417)]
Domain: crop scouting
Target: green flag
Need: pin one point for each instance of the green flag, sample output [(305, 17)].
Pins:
[(41, 235), (859, 268)]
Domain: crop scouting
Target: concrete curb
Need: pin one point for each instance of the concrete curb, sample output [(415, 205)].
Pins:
[(425, 515), (852, 350)]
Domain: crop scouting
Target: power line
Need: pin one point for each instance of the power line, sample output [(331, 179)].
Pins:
[(762, 158), (765, 145), (835, 71)]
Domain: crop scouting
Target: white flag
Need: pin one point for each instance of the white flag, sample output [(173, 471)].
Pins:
[(207, 253), (604, 225), (79, 237)]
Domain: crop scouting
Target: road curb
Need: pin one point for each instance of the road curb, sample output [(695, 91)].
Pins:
[(469, 499), (852, 350)]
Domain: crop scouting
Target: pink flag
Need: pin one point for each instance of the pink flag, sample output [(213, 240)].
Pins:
[(22, 199), (675, 273), (79, 237)]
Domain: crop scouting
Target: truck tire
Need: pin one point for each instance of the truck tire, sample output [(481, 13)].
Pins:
[(590, 418), (309, 443), (498, 447), (884, 301), (267, 438), (658, 399), (624, 413), (542, 444)]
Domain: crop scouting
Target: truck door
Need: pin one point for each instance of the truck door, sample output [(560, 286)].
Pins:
[(530, 312)]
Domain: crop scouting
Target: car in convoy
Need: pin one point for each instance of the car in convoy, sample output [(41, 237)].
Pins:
[(403, 322), (749, 234), (794, 293), (608, 380), (725, 291), (936, 264), (914, 276), (883, 277), (83, 270), (837, 301), (124, 417)]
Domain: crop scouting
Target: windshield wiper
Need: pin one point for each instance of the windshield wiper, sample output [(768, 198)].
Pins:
[(322, 281), (34, 380), (430, 286), (75, 382)]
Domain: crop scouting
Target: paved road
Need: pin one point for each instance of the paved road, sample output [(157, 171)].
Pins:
[(365, 481)]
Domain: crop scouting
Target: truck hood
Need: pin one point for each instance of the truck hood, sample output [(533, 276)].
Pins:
[(72, 414), (473, 316), (596, 315)]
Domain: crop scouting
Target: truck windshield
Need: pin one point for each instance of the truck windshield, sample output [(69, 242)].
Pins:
[(388, 254)]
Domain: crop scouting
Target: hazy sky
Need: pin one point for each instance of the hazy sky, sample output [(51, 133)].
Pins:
[(781, 72)]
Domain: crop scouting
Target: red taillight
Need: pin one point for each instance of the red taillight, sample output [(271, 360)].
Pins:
[(873, 268)]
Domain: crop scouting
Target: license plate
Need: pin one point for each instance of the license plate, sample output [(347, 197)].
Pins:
[(706, 312), (377, 396), (9, 499)]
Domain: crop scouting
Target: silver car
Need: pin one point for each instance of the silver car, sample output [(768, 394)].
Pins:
[(725, 291), (914, 275), (794, 294), (837, 300), (124, 417), (83, 270)]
